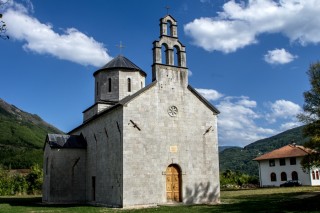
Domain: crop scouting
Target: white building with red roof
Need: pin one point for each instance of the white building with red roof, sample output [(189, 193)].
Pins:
[(280, 165)]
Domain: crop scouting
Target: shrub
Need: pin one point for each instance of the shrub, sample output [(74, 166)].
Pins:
[(17, 184)]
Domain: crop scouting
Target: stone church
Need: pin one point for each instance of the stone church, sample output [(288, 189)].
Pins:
[(139, 145)]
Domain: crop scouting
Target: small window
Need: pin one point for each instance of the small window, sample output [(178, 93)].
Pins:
[(317, 175), (141, 85), (47, 165), (109, 83), (273, 177), (294, 175), (97, 89), (272, 162), (313, 175), (129, 85), (283, 176), (282, 161), (93, 182), (293, 161)]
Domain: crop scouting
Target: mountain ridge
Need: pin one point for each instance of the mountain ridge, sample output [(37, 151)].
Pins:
[(22, 136), (241, 159)]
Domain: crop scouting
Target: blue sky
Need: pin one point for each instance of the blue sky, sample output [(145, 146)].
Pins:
[(248, 58)]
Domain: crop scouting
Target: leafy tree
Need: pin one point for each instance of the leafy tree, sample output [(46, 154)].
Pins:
[(231, 179), (311, 117), (35, 180)]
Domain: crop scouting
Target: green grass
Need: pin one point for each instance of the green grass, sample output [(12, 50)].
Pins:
[(271, 200)]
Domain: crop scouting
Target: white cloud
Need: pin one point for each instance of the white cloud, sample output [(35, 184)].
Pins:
[(282, 109), (242, 121), (210, 94), (72, 45), (279, 56), (237, 122), (289, 125), (189, 73), (239, 24)]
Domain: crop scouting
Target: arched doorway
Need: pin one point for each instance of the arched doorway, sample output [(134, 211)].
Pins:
[(173, 183)]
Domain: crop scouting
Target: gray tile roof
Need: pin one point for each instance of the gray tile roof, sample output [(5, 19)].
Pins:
[(66, 141), (121, 62)]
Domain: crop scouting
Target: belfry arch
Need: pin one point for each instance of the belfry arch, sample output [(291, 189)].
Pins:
[(169, 40)]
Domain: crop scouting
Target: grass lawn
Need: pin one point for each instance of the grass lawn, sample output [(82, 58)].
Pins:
[(269, 200)]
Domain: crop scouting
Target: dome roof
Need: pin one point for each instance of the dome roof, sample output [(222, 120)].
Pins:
[(121, 62)]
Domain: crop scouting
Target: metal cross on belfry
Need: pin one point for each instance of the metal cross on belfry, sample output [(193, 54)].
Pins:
[(167, 8), (120, 46)]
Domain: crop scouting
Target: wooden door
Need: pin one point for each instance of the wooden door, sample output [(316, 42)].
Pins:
[(173, 183)]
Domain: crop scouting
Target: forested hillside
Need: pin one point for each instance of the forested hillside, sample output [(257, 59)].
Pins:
[(22, 137), (240, 159)]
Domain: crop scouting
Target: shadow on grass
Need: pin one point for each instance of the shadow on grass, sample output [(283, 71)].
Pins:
[(262, 203), (276, 203), (32, 202)]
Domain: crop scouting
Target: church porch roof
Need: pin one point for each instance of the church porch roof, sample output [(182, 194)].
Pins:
[(66, 141)]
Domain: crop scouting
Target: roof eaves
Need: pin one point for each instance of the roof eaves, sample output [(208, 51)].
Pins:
[(207, 103), (119, 104), (96, 116), (133, 96)]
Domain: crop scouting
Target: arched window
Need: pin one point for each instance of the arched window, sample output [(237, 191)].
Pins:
[(109, 85), (141, 85), (313, 175), (169, 28), (317, 175), (283, 176), (164, 54), (177, 59), (97, 89), (129, 85), (294, 175), (273, 177)]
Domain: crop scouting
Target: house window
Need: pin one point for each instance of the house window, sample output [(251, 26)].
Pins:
[(272, 162), (293, 161), (317, 175), (109, 83), (313, 175), (129, 85), (282, 161), (273, 177), (294, 175), (283, 176)]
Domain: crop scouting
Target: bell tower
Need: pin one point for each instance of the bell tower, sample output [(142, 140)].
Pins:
[(169, 55)]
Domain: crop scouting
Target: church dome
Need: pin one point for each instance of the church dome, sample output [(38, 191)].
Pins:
[(121, 62)]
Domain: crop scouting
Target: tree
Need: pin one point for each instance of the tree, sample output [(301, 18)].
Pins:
[(34, 180), (311, 117)]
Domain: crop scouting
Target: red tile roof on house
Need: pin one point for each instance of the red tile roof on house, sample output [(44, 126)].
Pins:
[(287, 151)]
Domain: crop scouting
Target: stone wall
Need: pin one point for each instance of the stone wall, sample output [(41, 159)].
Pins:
[(154, 138), (104, 158), (64, 175), (119, 86)]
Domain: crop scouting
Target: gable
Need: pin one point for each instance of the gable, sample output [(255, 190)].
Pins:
[(203, 100)]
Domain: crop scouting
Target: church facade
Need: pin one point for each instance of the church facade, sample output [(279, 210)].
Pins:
[(138, 144)]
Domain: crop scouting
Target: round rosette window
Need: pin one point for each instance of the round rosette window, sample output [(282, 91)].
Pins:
[(173, 111)]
